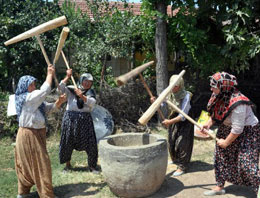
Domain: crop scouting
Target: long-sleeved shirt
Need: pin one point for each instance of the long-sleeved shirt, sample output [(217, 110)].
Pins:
[(72, 100), (240, 117), (31, 117), (185, 105)]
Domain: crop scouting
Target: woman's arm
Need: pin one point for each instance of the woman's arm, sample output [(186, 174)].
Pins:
[(224, 143), (37, 97), (50, 107), (168, 122), (68, 76), (238, 117), (185, 106), (63, 83)]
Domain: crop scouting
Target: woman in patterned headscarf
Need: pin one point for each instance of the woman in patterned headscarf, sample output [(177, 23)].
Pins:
[(181, 135), (32, 162), (77, 131), (237, 150)]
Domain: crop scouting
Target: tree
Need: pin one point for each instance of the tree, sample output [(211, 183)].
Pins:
[(25, 57), (107, 32)]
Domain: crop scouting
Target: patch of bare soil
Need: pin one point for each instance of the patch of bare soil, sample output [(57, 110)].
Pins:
[(200, 177)]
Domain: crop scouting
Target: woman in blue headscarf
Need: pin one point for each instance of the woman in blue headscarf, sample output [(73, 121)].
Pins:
[(77, 131), (32, 162)]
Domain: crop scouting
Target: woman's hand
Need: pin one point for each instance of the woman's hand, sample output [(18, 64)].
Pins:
[(50, 70), (152, 99), (62, 98), (69, 73), (168, 122), (222, 143), (205, 128), (78, 92)]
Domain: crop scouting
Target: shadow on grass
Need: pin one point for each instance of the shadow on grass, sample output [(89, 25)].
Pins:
[(80, 189), (71, 190), (81, 169)]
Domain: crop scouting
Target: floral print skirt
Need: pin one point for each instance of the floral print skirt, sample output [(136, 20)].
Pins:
[(238, 163)]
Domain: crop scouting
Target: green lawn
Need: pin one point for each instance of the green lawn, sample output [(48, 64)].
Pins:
[(85, 182), (79, 182)]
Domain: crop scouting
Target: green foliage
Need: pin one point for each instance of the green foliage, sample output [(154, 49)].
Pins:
[(104, 34), (242, 43), (25, 57), (212, 35)]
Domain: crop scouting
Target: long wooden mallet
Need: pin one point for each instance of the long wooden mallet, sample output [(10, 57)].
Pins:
[(63, 37), (156, 104), (189, 118), (68, 67), (38, 30), (121, 80), (151, 95), (46, 58)]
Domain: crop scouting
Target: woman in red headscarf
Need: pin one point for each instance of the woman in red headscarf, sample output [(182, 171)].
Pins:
[(237, 150)]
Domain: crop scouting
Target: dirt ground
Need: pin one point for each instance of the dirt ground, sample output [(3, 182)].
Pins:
[(199, 178), (192, 184)]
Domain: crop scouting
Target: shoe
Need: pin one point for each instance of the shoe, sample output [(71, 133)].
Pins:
[(23, 196), (170, 162), (66, 169), (176, 174), (94, 171), (214, 192)]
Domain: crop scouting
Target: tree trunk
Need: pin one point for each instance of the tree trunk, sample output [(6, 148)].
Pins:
[(161, 51)]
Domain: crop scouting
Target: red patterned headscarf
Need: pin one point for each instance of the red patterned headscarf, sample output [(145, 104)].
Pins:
[(220, 105)]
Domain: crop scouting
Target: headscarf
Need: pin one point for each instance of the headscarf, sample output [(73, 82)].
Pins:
[(21, 93), (90, 92), (176, 98), (85, 76), (220, 105)]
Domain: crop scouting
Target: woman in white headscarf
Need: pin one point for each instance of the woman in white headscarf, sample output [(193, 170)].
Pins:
[(181, 135), (77, 130)]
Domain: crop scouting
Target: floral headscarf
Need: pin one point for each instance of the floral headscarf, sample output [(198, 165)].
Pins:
[(220, 105), (21, 93)]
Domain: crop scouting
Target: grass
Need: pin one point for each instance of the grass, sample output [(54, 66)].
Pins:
[(79, 182)]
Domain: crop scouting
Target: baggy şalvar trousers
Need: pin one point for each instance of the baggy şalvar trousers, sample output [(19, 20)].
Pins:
[(32, 162)]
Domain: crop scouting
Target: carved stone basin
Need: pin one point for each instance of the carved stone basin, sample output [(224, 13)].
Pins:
[(133, 164)]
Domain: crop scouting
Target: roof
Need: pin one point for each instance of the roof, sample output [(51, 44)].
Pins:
[(135, 8)]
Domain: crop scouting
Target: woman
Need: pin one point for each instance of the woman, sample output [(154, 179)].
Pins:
[(181, 135), (32, 162), (237, 150), (77, 131)]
